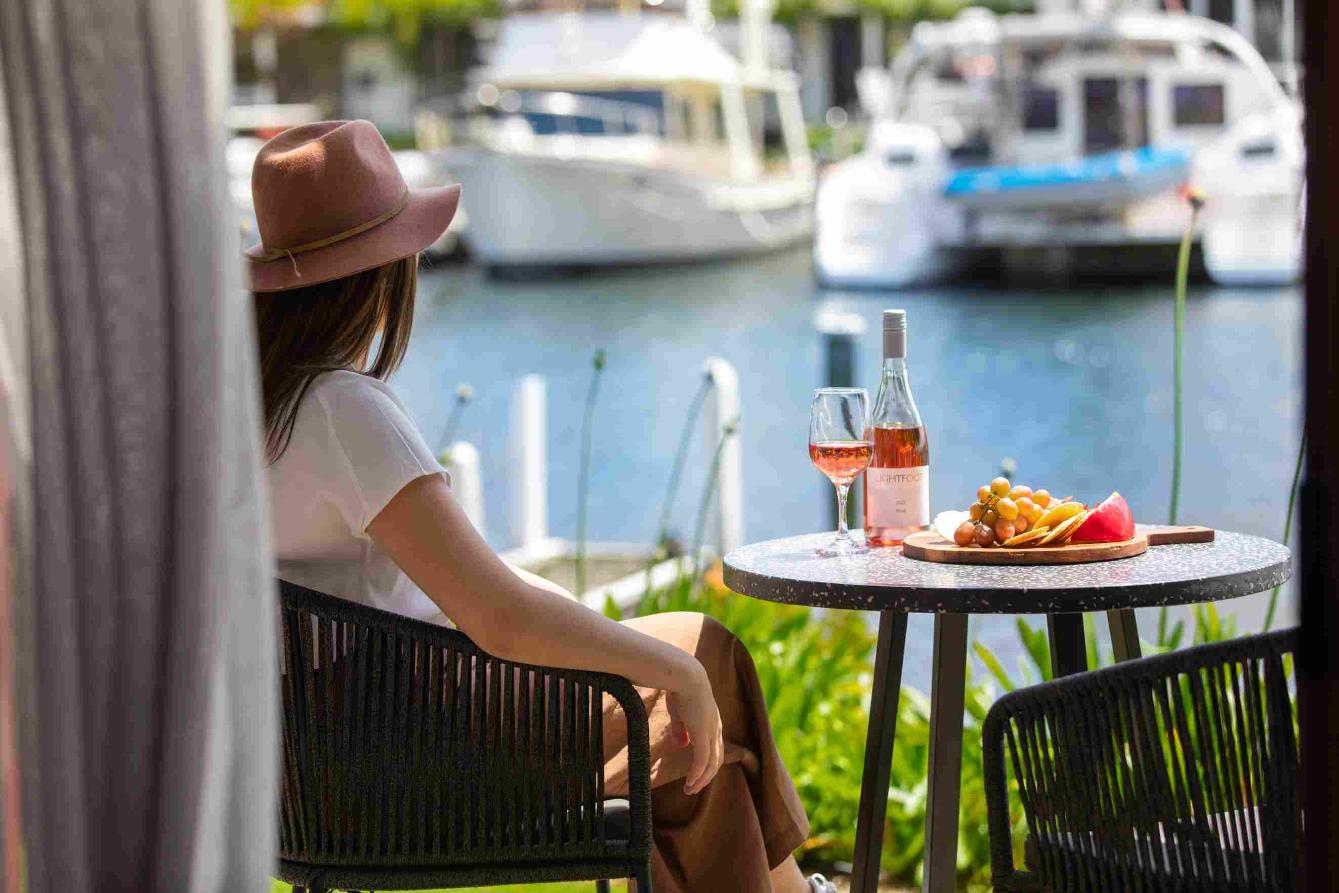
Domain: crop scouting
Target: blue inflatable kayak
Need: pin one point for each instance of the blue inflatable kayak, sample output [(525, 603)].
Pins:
[(1111, 178)]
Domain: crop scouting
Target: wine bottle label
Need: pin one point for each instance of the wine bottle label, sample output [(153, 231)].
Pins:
[(897, 497)]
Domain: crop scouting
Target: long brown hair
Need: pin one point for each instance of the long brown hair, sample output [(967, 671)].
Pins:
[(303, 332)]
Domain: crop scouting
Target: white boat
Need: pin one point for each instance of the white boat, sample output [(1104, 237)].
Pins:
[(1062, 130), (612, 138)]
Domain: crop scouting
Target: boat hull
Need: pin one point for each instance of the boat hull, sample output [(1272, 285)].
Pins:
[(529, 211), (882, 228)]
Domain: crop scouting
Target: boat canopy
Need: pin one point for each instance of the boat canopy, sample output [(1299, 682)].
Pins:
[(982, 28), (589, 51)]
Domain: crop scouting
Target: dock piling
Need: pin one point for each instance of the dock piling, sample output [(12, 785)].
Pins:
[(530, 519), (722, 414), (461, 459)]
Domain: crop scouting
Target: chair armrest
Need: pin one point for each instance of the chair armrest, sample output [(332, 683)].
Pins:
[(405, 743), (1152, 764)]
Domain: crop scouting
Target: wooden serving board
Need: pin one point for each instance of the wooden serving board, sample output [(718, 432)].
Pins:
[(928, 545)]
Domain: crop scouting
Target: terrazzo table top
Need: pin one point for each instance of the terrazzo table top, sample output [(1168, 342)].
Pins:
[(790, 571)]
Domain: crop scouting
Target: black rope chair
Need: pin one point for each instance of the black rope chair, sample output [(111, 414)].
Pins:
[(411, 760), (1175, 772)]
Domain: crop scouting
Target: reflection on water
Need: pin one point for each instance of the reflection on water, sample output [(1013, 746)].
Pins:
[(1075, 384)]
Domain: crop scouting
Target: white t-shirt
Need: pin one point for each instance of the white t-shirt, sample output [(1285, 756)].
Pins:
[(354, 447)]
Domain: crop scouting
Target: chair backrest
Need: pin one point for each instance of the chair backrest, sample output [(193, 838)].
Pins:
[(404, 744), (1181, 766)]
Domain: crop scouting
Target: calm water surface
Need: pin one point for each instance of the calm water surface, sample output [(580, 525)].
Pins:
[(1073, 383)]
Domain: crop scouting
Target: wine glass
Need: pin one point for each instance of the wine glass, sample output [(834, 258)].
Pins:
[(839, 447)]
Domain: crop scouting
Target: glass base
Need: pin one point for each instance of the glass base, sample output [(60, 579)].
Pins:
[(842, 544)]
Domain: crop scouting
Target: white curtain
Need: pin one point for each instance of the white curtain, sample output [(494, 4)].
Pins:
[(139, 607)]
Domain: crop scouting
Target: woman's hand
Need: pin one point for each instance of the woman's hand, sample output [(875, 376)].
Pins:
[(696, 722)]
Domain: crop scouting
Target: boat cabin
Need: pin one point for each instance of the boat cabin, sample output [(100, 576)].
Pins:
[(1026, 90), (649, 90)]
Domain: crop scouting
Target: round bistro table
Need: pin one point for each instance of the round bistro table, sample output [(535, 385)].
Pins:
[(883, 580)]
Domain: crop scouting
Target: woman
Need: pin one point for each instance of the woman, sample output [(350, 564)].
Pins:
[(362, 510)]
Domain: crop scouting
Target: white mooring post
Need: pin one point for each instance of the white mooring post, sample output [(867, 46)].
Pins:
[(530, 519), (722, 413), (461, 459)]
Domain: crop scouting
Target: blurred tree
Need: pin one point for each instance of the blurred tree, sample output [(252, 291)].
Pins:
[(898, 11), (406, 17), (914, 10), (402, 18), (251, 14)]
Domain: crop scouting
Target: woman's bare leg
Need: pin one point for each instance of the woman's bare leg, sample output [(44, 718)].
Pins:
[(787, 878)]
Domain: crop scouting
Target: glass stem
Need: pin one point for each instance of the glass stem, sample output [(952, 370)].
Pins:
[(842, 491)]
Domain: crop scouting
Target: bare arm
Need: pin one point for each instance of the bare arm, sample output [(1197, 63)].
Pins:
[(539, 582), (426, 533)]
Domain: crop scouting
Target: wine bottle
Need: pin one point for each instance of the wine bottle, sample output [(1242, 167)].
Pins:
[(897, 485)]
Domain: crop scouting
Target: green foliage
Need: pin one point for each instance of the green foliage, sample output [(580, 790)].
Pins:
[(835, 143), (1287, 525), (898, 11), (598, 362), (914, 10), (405, 17), (787, 11), (401, 18), (251, 13)]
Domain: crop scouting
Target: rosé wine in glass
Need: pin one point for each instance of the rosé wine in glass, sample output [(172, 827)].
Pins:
[(839, 447), (840, 460)]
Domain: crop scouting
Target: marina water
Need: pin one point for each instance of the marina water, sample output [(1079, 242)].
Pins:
[(1073, 383)]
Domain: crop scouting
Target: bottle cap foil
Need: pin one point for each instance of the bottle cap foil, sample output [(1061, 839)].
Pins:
[(894, 334)]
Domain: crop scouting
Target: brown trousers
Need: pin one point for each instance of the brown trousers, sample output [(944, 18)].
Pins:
[(728, 837)]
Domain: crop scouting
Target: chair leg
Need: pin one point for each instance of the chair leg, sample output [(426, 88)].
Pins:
[(642, 879), (602, 885)]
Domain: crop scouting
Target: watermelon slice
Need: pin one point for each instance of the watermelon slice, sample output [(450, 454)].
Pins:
[(1110, 522)]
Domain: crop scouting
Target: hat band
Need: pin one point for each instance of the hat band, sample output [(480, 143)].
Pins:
[(276, 253)]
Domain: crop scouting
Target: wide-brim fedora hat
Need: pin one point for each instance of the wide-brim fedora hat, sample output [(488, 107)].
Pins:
[(330, 202)]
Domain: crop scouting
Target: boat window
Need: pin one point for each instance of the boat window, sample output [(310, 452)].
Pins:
[(973, 151), (947, 70), (592, 113), (767, 130), (1041, 108), (899, 157), (1115, 114), (1198, 105), (1259, 149)]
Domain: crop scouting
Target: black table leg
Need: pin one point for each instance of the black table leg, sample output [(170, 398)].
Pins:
[(1069, 654), (948, 686), (879, 751), (1124, 634)]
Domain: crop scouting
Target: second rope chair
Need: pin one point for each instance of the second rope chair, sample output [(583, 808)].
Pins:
[(1175, 772)]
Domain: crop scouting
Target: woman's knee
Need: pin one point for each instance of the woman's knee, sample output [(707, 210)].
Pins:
[(713, 637), (719, 651), (701, 635)]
